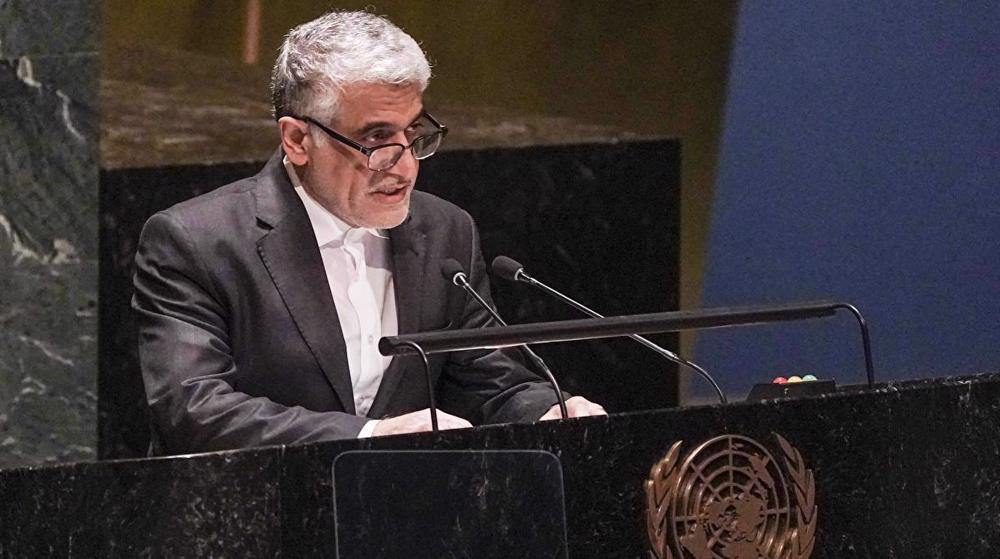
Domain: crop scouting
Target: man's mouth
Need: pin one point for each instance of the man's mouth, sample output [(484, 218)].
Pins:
[(391, 194)]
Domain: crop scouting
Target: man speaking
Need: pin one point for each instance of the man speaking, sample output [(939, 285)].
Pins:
[(260, 305)]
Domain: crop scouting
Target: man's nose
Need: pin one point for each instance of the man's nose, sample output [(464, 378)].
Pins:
[(406, 164)]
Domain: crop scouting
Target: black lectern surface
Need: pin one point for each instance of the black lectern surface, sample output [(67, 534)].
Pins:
[(910, 469), (466, 503)]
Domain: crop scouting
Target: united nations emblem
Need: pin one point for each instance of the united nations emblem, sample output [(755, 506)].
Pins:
[(730, 498)]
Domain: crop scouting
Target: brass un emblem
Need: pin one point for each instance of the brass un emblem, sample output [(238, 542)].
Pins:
[(729, 498)]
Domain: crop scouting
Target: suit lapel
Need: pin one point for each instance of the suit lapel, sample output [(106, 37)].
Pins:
[(408, 261), (291, 256), (408, 247)]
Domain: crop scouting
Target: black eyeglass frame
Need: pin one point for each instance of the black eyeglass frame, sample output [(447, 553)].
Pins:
[(442, 130)]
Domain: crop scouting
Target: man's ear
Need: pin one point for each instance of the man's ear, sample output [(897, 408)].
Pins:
[(294, 139)]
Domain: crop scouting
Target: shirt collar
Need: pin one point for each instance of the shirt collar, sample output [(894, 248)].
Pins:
[(328, 227)]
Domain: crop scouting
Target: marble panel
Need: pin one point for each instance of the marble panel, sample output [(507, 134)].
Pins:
[(49, 152), (390, 503), (223, 505), (48, 258), (52, 27)]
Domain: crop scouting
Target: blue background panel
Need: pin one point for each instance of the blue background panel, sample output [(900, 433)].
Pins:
[(860, 161)]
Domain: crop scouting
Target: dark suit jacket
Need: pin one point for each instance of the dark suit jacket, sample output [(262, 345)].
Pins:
[(239, 338)]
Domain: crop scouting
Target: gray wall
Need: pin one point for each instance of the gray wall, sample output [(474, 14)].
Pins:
[(48, 230)]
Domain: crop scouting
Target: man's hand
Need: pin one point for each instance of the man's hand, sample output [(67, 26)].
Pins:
[(416, 422), (577, 406)]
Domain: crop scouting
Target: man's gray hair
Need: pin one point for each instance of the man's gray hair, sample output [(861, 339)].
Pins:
[(319, 58)]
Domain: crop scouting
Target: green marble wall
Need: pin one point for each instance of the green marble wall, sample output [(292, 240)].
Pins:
[(48, 230)]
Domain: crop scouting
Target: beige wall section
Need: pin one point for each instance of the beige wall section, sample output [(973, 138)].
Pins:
[(648, 67)]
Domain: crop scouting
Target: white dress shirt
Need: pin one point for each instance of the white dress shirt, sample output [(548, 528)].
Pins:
[(358, 264)]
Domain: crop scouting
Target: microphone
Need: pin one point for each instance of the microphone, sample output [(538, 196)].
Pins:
[(452, 271), (512, 270)]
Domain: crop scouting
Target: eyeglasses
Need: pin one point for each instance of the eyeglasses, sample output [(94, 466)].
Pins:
[(382, 158)]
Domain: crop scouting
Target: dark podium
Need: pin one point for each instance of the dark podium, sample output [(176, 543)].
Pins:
[(908, 469)]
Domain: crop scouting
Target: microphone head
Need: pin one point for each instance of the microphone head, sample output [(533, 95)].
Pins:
[(451, 269), (507, 268)]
